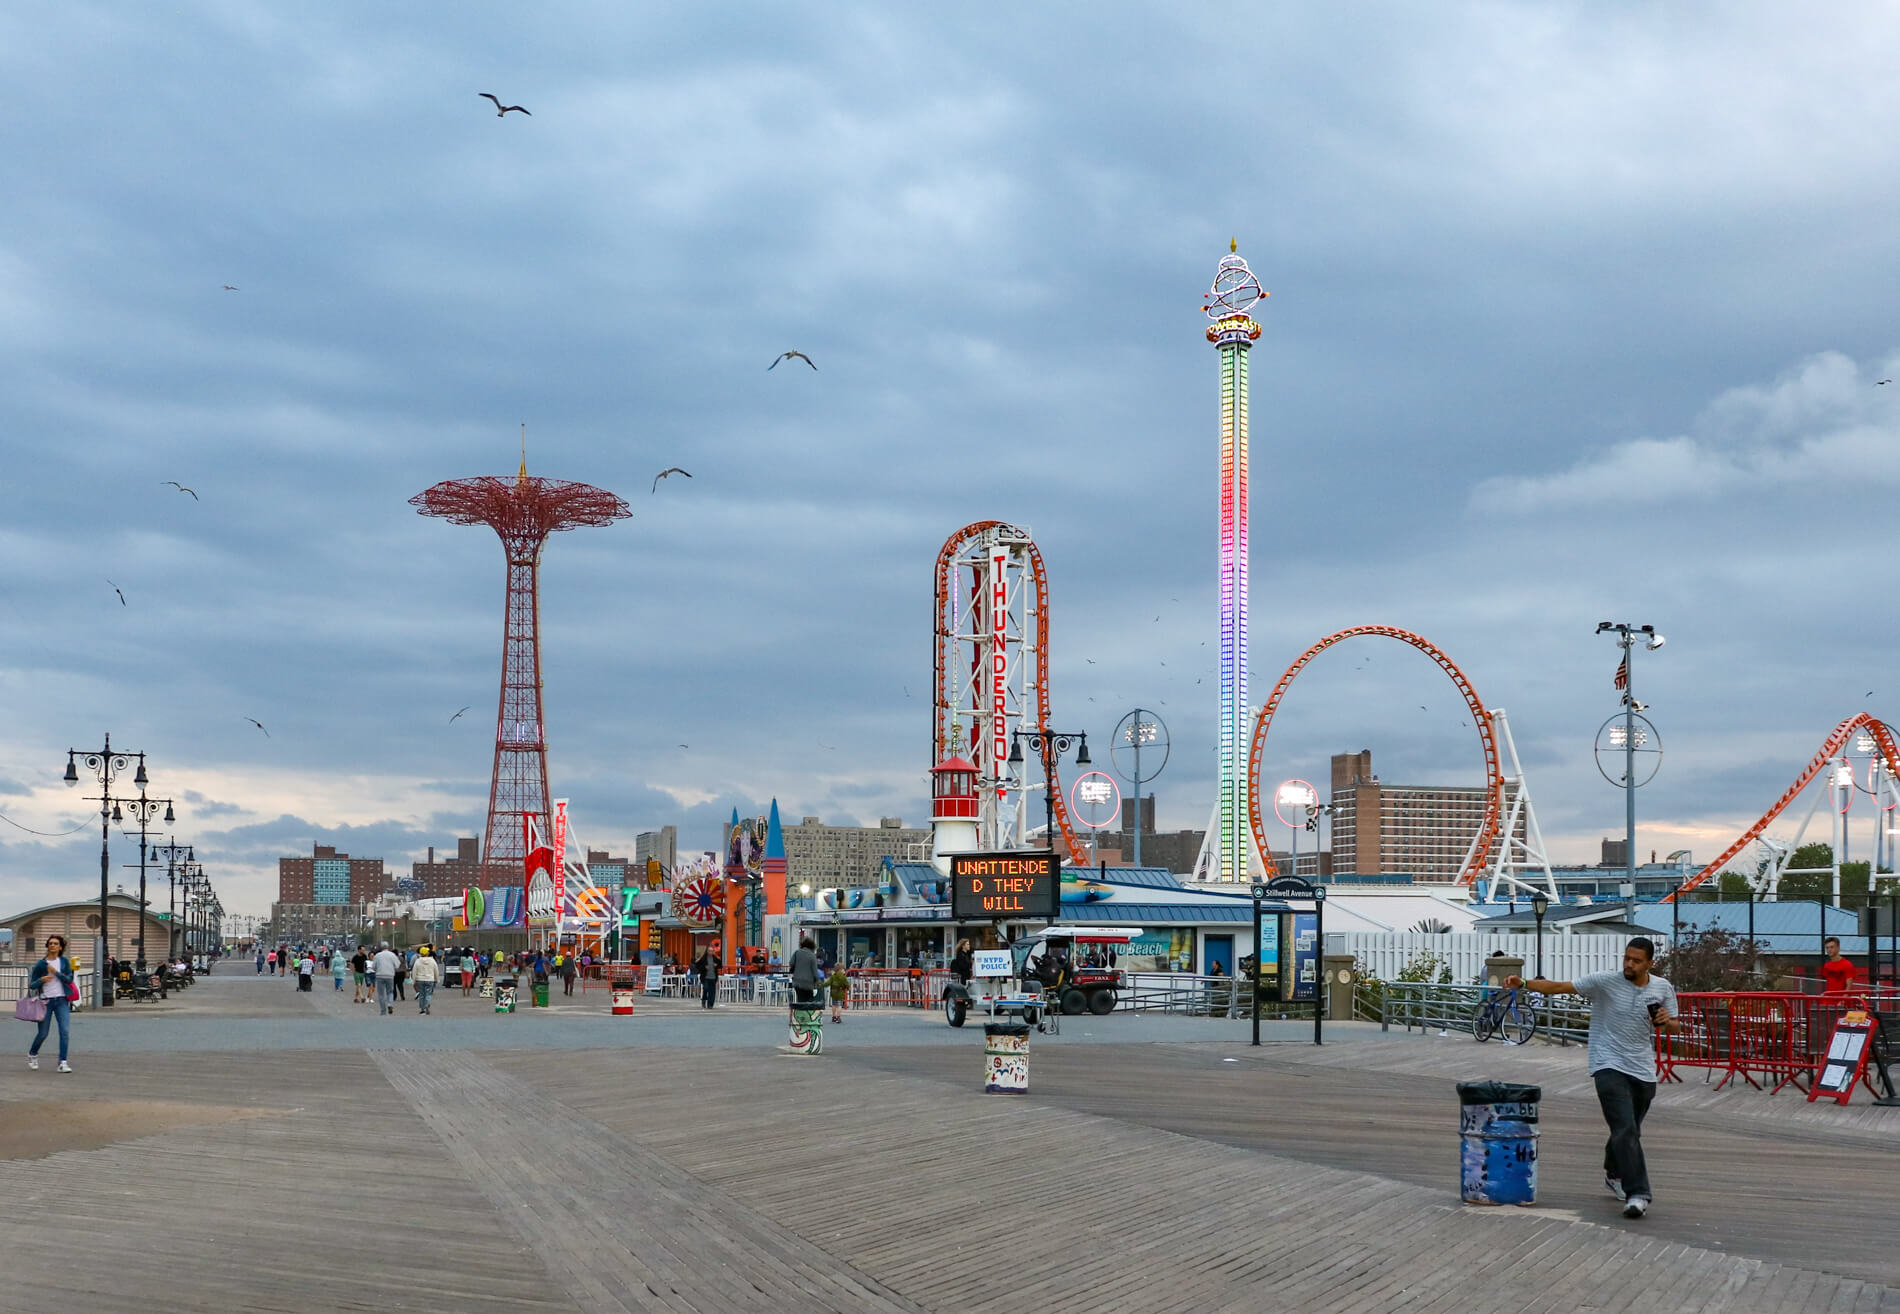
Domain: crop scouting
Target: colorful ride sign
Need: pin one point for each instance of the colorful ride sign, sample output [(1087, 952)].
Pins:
[(995, 886)]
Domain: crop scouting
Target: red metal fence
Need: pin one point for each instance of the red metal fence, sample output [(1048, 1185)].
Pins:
[(1759, 1037)]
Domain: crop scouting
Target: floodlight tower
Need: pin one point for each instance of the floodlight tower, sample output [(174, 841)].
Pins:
[(523, 511), (1226, 853)]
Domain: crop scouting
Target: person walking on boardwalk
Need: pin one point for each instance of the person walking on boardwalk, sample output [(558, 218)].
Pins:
[(707, 966), (306, 970), (260, 960), (963, 964), (359, 967), (807, 981), (338, 966), (469, 969), (428, 974), (1627, 1009), (567, 974), (384, 968), (839, 986), (51, 978)]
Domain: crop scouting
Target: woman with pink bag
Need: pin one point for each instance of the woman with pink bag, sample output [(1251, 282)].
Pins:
[(50, 980)]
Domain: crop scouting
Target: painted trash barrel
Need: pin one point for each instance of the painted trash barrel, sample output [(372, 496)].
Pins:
[(808, 1024), (505, 994), (486, 988), (623, 998), (1005, 1058), (1497, 1157)]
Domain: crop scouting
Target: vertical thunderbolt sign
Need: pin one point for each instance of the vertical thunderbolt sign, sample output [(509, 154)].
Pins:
[(999, 670), (1232, 332), (560, 865)]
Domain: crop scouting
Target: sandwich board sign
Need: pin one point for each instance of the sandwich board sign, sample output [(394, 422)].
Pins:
[(1846, 1058)]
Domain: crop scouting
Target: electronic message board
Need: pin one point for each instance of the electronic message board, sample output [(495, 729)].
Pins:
[(997, 886)]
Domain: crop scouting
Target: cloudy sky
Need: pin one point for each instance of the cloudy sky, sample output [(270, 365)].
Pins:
[(1577, 314)]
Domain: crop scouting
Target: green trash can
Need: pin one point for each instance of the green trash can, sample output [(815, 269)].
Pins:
[(541, 992)]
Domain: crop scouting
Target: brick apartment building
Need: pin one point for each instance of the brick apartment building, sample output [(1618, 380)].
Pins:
[(449, 877), (1423, 830), (329, 877)]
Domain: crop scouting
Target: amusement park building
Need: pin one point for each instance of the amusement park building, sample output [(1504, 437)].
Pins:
[(827, 856), (1183, 928), (329, 877), (1425, 830)]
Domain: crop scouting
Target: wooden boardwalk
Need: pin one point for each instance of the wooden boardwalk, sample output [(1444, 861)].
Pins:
[(879, 1178)]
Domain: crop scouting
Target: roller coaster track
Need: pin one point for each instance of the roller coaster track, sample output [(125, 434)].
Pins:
[(1883, 736), (944, 714), (1480, 852)]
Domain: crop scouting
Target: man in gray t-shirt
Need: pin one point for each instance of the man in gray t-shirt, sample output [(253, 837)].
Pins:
[(1627, 1009)]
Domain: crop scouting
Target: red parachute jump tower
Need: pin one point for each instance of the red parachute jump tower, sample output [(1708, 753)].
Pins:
[(523, 511)]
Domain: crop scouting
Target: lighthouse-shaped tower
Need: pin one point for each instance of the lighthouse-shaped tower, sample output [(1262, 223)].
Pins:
[(1227, 853), (954, 807)]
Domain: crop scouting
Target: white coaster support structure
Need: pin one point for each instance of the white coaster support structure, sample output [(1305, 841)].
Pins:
[(1515, 862)]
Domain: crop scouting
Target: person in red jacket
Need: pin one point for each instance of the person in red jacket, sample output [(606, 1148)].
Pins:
[(1837, 971)]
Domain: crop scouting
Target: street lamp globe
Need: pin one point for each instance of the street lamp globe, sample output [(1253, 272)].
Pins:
[(1540, 904)]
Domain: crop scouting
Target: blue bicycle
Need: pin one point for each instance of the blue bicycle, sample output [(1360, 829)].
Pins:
[(1508, 1014)]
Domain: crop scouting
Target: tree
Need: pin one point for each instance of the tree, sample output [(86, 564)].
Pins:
[(1820, 884), (1716, 960)]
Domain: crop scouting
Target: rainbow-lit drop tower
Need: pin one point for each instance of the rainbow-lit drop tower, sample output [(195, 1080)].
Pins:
[(1227, 852)]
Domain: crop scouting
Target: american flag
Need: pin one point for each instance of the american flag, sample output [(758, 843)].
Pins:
[(1623, 672)]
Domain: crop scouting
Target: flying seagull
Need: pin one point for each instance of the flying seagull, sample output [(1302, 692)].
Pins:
[(670, 470), (829, 748), (790, 355), (502, 111), (120, 592), (181, 488), (685, 745), (1423, 708), (1089, 660), (229, 288), (458, 715), (259, 724), (1881, 383)]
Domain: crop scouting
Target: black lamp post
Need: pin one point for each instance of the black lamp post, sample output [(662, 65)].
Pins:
[(1540, 904), (106, 766), (173, 851), (143, 810), (1049, 745)]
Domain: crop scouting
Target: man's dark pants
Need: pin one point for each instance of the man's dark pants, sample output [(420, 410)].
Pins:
[(1625, 1099)]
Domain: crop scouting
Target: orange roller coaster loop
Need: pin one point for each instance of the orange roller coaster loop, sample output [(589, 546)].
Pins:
[(943, 714), (1883, 736), (1493, 769)]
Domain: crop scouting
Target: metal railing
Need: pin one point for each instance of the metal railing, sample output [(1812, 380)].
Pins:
[(1177, 992), (13, 985), (1446, 1008)]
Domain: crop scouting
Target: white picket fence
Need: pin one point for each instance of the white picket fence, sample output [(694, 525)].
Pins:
[(1384, 954)]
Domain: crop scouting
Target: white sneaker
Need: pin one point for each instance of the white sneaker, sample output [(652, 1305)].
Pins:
[(33, 1061), (1638, 1206), (1616, 1186), (64, 1066)]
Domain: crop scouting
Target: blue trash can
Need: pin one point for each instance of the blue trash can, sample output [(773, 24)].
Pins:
[(1497, 1126)]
